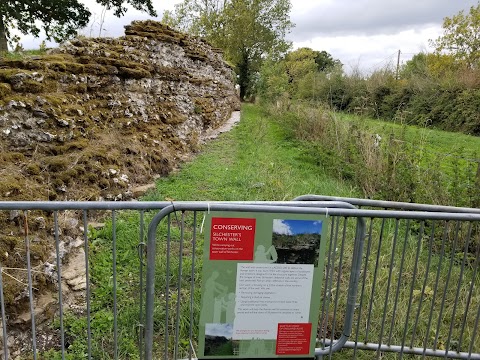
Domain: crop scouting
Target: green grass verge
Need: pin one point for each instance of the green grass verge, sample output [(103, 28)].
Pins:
[(389, 161), (255, 161)]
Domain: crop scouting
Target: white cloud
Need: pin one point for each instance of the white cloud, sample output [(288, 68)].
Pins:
[(373, 52), (282, 228), (214, 329), (369, 17)]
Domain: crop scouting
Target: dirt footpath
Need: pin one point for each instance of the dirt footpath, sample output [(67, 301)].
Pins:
[(227, 126)]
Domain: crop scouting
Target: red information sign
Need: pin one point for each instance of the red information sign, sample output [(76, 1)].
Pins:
[(293, 339), (232, 239)]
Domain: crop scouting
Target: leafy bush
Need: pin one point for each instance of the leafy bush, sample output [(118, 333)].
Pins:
[(433, 90)]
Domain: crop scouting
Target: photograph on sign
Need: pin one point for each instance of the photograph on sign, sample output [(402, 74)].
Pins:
[(218, 339), (296, 241)]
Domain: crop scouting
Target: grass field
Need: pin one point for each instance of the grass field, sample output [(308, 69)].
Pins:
[(435, 141), (386, 160), (449, 151), (258, 160)]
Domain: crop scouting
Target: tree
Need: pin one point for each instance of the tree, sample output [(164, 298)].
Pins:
[(300, 63), (60, 19), (298, 75), (246, 30), (325, 62), (305, 60), (430, 65), (273, 82), (199, 17), (461, 36)]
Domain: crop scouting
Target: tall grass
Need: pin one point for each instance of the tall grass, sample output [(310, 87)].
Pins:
[(387, 161)]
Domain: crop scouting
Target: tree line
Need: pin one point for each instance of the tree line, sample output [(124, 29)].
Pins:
[(440, 89)]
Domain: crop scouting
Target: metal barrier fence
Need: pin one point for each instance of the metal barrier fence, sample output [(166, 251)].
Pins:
[(417, 279)]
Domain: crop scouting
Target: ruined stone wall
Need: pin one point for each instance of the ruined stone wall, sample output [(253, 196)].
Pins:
[(97, 115), (90, 121)]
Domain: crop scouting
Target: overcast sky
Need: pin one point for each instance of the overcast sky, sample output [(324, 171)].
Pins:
[(364, 34)]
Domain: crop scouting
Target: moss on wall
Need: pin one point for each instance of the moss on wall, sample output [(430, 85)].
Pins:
[(96, 117)]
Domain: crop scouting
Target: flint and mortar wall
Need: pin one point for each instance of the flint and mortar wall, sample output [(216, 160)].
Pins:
[(98, 115), (90, 121)]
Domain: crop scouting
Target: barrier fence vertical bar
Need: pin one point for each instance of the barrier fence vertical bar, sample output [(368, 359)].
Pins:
[(326, 295), (141, 248), (412, 287), (370, 305), (422, 294), (389, 281), (167, 285), (192, 284), (30, 285), (150, 283), (400, 274), (474, 333), (87, 277), (449, 274), (4, 319), (459, 285), (339, 276), (59, 278), (469, 297), (365, 270), (360, 233), (114, 271), (179, 284), (333, 250), (150, 290)]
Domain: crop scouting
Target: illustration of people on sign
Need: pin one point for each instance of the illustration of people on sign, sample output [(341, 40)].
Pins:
[(257, 347), (229, 307), (213, 299), (265, 257)]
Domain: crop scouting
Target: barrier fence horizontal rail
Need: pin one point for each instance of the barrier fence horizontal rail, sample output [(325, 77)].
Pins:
[(418, 280), (395, 205), (147, 205)]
